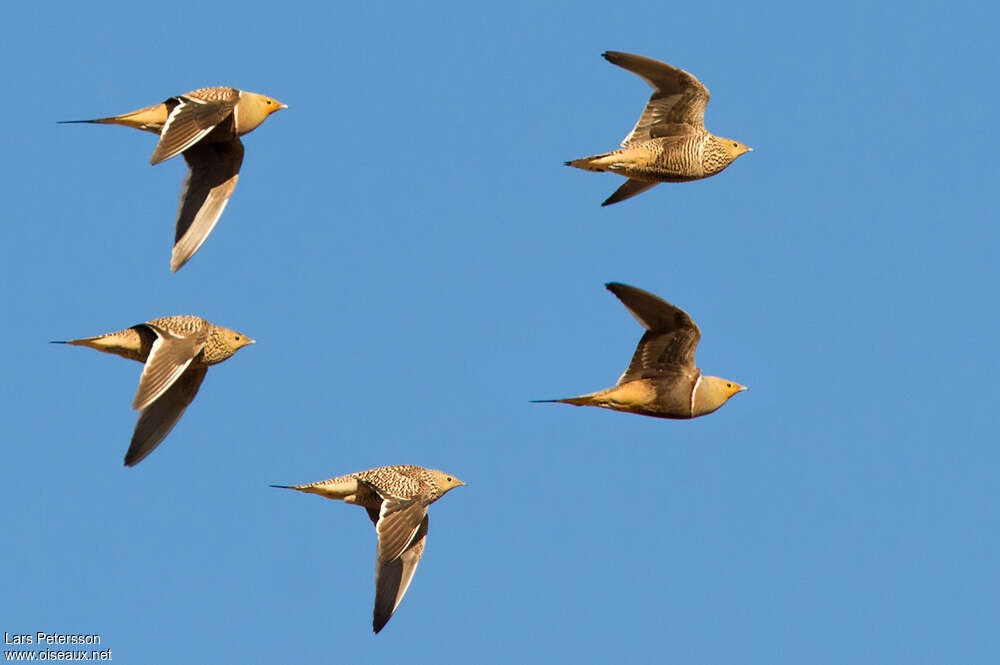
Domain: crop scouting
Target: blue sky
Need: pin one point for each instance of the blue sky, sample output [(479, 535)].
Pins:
[(416, 265)]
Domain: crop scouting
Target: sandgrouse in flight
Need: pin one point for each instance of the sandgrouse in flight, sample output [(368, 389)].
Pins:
[(204, 125), (669, 143), (662, 380), (396, 498), (177, 351)]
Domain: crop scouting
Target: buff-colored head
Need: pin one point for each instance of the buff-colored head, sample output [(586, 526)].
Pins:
[(223, 343), (733, 148), (253, 110), (443, 482), (232, 339), (712, 393)]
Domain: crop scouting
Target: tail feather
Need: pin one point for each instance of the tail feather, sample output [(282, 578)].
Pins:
[(592, 163), (150, 119), (582, 400), (90, 342)]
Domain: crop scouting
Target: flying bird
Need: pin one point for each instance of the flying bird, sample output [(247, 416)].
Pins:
[(204, 125), (177, 352), (396, 498), (669, 143), (662, 380)]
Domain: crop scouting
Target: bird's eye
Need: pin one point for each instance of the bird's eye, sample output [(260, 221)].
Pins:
[(237, 338), (735, 145), (448, 479), (269, 101), (729, 385)]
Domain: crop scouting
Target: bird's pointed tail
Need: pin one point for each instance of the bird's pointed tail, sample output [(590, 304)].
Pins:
[(105, 343), (150, 119), (582, 400), (592, 163)]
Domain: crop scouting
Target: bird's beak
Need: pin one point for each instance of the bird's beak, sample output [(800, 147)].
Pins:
[(742, 388), (283, 106)]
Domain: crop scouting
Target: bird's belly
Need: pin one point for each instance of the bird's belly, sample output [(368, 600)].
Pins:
[(657, 161), (647, 169), (641, 397), (647, 398), (222, 133), (658, 175)]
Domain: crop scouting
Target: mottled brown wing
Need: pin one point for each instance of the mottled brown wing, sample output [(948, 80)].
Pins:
[(677, 106), (189, 121), (170, 356), (156, 420), (670, 341), (392, 578), (214, 170), (397, 525)]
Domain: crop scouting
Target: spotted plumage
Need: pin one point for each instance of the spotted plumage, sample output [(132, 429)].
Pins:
[(661, 380), (396, 499), (177, 352), (204, 125), (669, 143)]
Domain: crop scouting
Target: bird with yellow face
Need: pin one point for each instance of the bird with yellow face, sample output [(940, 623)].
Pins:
[(204, 125), (662, 379)]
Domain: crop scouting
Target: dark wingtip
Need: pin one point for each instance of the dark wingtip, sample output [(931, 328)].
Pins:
[(622, 291), (73, 122), (567, 163), (282, 487), (543, 401), (378, 624), (58, 341), (133, 457)]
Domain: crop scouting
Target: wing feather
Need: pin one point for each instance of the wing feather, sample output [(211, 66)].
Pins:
[(677, 105), (671, 338)]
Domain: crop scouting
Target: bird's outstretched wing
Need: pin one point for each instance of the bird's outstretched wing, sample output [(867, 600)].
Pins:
[(211, 180), (157, 419), (392, 578), (671, 337), (677, 105)]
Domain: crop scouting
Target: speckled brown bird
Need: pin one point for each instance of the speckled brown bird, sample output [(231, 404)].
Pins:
[(669, 143), (204, 125), (177, 351), (662, 380), (396, 498)]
